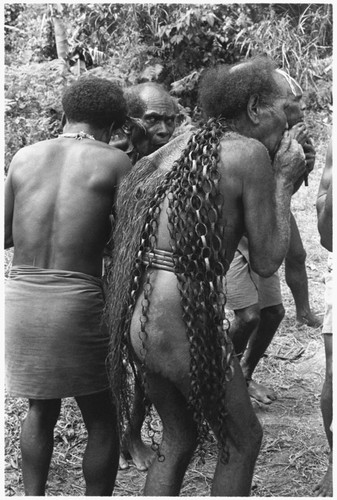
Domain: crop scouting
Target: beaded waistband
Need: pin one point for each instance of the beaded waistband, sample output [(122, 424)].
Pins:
[(160, 259)]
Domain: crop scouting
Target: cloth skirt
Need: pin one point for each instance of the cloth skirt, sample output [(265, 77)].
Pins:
[(55, 342), (244, 287)]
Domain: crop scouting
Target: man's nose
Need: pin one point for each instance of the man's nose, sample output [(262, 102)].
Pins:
[(162, 130)]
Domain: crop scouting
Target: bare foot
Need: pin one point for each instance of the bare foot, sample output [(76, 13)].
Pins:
[(309, 319), (141, 454), (123, 463), (324, 487), (260, 392)]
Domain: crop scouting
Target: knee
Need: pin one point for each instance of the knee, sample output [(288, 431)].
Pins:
[(296, 257), (274, 313), (251, 440), (256, 434), (45, 412), (183, 442), (248, 317)]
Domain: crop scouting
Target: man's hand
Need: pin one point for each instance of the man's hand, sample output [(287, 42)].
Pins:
[(289, 160), (300, 133)]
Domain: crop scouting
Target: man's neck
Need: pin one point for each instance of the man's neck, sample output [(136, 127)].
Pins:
[(77, 127)]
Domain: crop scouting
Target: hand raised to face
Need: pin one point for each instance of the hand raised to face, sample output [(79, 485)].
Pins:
[(289, 160)]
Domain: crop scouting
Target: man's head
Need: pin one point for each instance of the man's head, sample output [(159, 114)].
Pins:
[(156, 110), (296, 106), (95, 101), (253, 95)]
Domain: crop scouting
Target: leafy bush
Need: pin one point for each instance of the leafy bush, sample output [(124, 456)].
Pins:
[(295, 46), (169, 43), (33, 103)]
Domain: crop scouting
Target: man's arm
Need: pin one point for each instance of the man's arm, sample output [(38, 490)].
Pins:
[(300, 133), (266, 197), (9, 209), (122, 167), (324, 203)]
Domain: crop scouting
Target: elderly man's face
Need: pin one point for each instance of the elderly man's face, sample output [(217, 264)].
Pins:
[(158, 119), (295, 106), (273, 118), (285, 110)]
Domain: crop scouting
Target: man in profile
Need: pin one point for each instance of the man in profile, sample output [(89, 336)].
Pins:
[(257, 301), (181, 214), (59, 195)]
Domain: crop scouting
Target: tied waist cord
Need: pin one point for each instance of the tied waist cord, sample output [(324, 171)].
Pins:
[(159, 259), (24, 271)]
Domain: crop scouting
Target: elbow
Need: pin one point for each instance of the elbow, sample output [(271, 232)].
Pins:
[(325, 231), (326, 242), (8, 242), (266, 268)]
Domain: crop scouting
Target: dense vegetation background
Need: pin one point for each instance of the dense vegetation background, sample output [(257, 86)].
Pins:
[(49, 45)]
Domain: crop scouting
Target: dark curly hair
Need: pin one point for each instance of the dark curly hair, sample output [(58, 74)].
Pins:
[(224, 90), (97, 101)]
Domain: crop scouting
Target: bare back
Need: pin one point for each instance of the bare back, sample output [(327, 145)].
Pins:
[(59, 195), (247, 186)]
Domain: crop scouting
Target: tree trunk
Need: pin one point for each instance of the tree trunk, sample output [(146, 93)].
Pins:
[(60, 34)]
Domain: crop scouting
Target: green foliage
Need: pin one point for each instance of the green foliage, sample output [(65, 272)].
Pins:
[(12, 29), (295, 44), (33, 103), (171, 43)]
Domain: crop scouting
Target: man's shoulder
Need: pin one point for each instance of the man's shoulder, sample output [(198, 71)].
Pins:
[(240, 149), (115, 157), (98, 152), (30, 151), (30, 148), (242, 144), (109, 150)]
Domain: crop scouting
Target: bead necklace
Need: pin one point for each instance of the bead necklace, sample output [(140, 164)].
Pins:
[(78, 136)]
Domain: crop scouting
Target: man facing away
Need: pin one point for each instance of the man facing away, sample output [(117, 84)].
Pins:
[(183, 221), (59, 195), (256, 301)]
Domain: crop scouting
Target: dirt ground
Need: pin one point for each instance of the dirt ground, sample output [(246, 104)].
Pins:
[(294, 452)]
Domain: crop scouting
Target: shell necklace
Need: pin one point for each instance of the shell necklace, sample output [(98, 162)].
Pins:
[(78, 136)]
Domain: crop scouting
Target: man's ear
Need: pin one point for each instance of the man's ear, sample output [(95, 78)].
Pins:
[(253, 108), (127, 128)]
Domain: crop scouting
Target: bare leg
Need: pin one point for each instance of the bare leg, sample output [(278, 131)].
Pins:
[(296, 277), (270, 319), (100, 461), (179, 440), (37, 442), (324, 488), (132, 444), (164, 478), (246, 320), (244, 441)]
